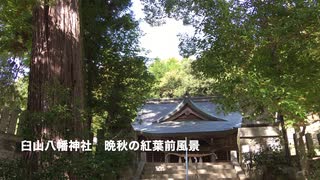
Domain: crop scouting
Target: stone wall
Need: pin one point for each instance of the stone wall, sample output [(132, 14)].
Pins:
[(9, 142), (9, 146), (258, 137), (253, 139), (312, 138), (8, 119)]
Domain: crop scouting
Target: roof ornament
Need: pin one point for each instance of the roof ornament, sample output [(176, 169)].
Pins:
[(182, 108), (187, 95)]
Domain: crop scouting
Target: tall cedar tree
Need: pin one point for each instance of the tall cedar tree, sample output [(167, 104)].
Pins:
[(56, 64)]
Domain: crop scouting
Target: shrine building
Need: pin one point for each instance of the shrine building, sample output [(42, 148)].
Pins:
[(191, 118)]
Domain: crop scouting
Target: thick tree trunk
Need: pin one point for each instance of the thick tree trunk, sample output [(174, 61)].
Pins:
[(56, 76)]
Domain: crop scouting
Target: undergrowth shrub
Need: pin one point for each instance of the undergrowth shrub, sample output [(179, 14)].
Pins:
[(270, 163), (105, 165), (314, 173)]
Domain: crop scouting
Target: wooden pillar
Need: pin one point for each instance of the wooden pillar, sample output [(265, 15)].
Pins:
[(309, 143), (239, 146), (228, 155), (233, 156), (166, 157), (295, 144), (143, 156)]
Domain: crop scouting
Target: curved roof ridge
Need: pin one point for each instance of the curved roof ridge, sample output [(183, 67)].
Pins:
[(176, 100), (188, 101)]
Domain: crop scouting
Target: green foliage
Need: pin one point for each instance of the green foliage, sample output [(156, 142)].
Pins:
[(124, 88), (15, 26), (314, 169), (8, 73), (117, 83), (13, 97), (264, 55), (87, 166), (15, 43), (270, 163), (117, 78), (57, 114), (11, 169), (160, 67), (174, 78)]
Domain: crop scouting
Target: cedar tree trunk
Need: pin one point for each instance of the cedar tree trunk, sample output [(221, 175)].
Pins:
[(56, 67)]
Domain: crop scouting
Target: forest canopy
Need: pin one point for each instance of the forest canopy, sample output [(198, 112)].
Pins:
[(264, 55), (175, 78)]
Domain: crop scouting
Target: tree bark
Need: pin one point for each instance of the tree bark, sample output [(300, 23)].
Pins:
[(55, 66), (285, 139), (301, 149)]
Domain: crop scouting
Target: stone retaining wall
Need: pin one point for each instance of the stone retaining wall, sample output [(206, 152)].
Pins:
[(9, 146)]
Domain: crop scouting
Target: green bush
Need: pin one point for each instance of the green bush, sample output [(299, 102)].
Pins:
[(11, 169), (270, 163), (104, 165), (314, 172)]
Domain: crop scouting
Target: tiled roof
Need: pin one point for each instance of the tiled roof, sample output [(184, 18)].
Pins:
[(150, 118)]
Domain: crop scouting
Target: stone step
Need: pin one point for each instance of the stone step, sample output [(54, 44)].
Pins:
[(191, 178), (190, 171), (205, 163), (197, 171), (182, 176), (194, 165)]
